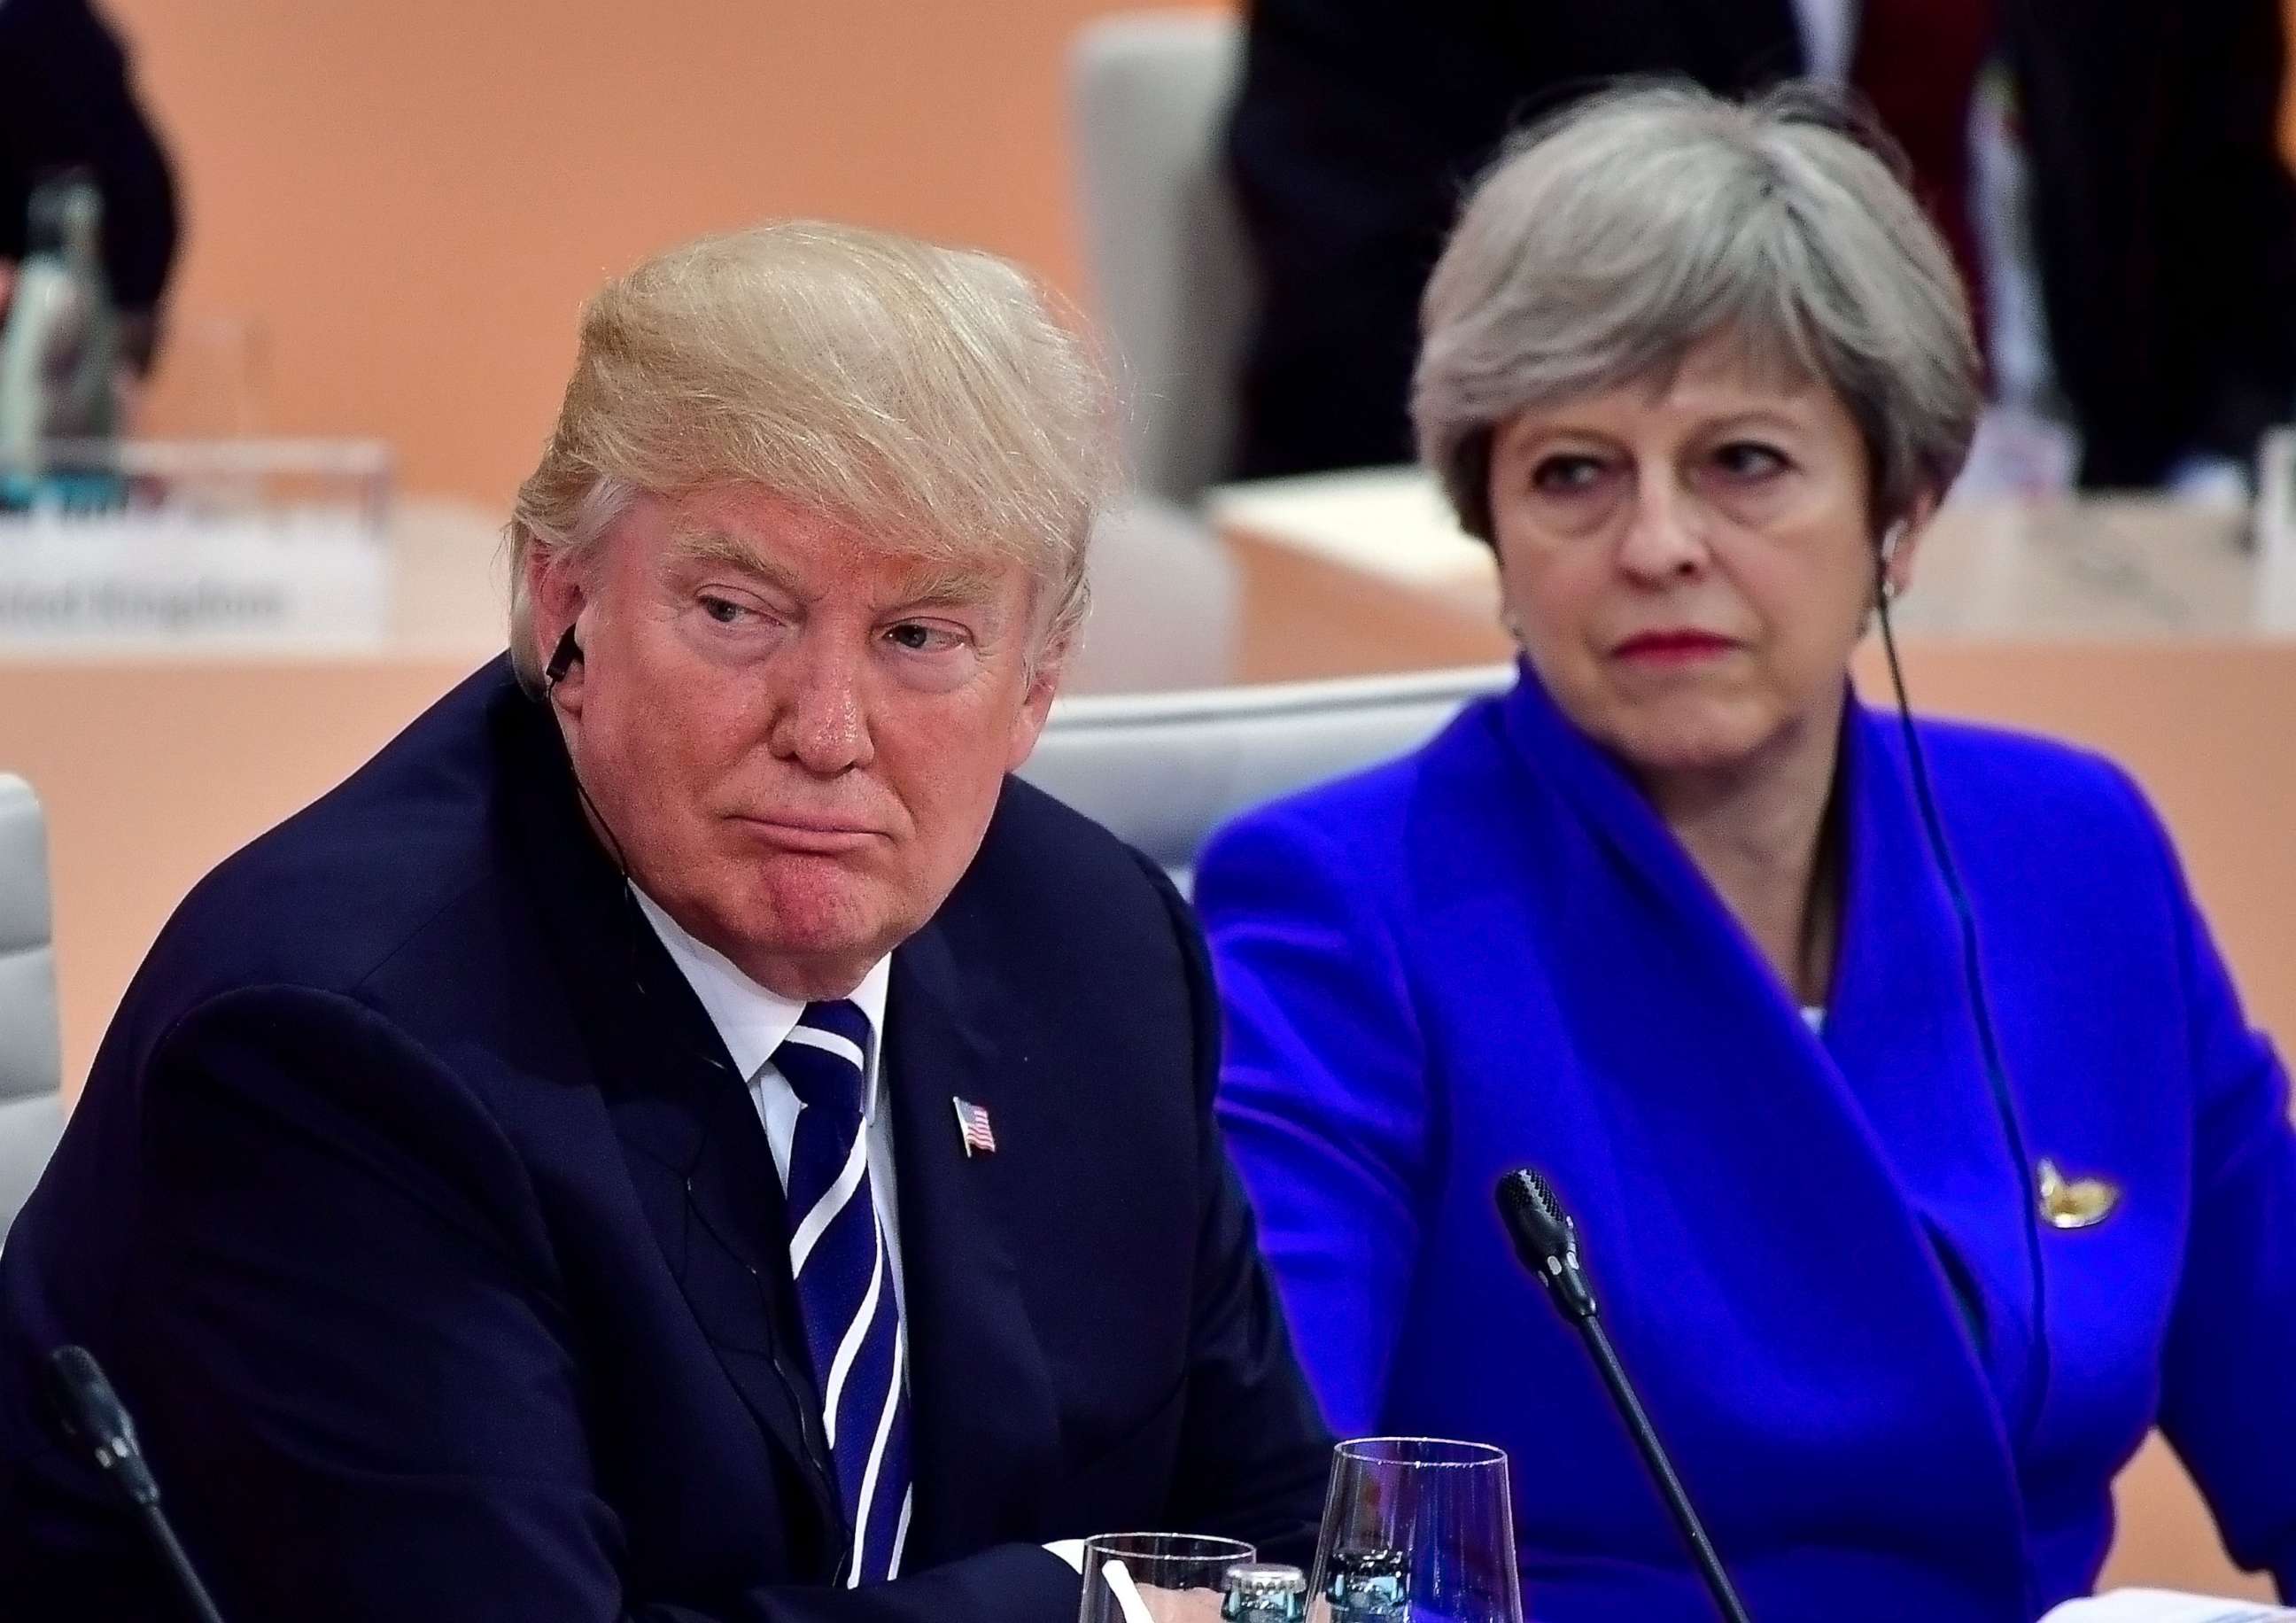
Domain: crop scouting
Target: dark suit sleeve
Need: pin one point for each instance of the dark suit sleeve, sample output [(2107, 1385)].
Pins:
[(342, 1304), (2225, 175), (1356, 126), (1254, 1453), (2166, 223), (2227, 1405), (66, 102)]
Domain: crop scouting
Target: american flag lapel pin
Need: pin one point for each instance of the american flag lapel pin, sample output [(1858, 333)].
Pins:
[(973, 1129)]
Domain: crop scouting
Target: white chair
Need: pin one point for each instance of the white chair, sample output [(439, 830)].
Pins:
[(1165, 770), (1149, 95), (31, 1066), (1177, 601)]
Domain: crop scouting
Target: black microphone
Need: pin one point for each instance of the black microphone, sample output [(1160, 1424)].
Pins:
[(1547, 1240), (94, 1416)]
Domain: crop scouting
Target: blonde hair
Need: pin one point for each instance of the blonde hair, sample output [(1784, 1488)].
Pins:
[(930, 398), (1609, 241)]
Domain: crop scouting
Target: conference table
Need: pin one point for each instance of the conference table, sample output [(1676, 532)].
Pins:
[(2142, 629)]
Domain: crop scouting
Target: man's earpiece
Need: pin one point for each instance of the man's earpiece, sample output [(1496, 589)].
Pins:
[(562, 660)]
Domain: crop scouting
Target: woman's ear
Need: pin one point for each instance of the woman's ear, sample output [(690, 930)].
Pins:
[(1901, 540)]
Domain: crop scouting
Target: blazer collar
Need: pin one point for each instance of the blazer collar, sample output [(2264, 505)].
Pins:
[(1739, 1080), (754, 1020), (1902, 1018)]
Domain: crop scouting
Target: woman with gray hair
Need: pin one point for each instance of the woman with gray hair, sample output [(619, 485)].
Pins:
[(1924, 1157)]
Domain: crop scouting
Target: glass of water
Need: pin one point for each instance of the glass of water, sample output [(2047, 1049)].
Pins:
[(1157, 1577), (1416, 1529)]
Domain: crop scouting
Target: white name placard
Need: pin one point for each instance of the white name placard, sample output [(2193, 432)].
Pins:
[(2161, 1606), (314, 579)]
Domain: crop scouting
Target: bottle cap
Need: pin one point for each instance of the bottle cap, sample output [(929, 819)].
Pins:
[(1255, 1579)]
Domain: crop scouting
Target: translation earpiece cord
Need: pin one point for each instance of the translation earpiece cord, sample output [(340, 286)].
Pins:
[(635, 923), (1997, 1073)]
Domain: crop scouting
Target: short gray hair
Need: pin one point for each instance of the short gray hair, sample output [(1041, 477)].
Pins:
[(1606, 243), (933, 397)]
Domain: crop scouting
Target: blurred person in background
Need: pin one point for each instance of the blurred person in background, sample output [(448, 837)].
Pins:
[(1912, 1228), (2109, 176), (681, 1136), (67, 104)]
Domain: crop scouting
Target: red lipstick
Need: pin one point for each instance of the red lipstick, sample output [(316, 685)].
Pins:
[(1673, 646)]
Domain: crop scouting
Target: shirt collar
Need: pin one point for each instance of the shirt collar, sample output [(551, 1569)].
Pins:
[(754, 1020)]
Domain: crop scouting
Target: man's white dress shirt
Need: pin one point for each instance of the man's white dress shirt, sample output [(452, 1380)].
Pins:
[(752, 1021)]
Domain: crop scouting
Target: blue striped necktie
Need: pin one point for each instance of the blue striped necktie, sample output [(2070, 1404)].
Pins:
[(844, 1276)]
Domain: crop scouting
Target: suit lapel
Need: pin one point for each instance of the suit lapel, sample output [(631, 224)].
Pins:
[(705, 1177), (696, 1151), (987, 1427), (1945, 1143), (1752, 1088)]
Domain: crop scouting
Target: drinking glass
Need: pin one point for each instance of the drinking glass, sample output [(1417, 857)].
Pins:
[(1417, 1528), (209, 380), (1157, 1577)]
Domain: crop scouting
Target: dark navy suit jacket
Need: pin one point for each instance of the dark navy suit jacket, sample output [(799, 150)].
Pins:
[(417, 1212), (1812, 1249)]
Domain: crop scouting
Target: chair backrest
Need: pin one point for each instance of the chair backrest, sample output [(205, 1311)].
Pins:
[(1164, 771), (1172, 284), (1167, 595), (31, 1108)]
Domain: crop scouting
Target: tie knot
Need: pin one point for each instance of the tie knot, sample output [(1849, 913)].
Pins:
[(825, 1058)]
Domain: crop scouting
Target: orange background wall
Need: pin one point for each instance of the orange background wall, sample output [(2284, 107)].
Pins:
[(414, 198)]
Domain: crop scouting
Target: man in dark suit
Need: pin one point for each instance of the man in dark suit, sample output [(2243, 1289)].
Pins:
[(2162, 217), (681, 1135), (68, 102)]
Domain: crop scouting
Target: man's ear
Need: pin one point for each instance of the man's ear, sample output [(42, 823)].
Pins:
[(556, 599), (1037, 703)]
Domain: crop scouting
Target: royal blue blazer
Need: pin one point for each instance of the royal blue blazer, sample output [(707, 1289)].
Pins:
[(1811, 1248)]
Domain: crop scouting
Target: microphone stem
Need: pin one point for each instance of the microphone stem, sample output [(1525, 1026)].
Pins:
[(155, 1522), (1661, 1471)]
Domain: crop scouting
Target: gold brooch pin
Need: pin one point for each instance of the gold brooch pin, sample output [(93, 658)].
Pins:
[(2081, 1202)]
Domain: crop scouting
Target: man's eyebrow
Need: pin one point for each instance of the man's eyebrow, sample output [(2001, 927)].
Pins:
[(716, 546), (952, 582)]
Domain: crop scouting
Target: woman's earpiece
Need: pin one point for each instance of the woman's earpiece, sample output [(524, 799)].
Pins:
[(1885, 585)]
